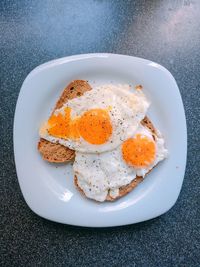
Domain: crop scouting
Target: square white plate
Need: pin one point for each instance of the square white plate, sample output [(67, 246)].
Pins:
[(48, 189)]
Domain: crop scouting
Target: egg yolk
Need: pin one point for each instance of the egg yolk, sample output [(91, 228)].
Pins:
[(139, 151), (62, 126), (95, 126)]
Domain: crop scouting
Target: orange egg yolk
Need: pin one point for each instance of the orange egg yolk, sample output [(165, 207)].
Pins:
[(94, 126), (139, 151), (62, 126)]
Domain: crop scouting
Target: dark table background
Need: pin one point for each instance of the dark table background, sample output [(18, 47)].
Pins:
[(32, 32)]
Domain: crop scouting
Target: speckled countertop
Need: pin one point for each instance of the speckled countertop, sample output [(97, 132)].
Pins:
[(33, 32)]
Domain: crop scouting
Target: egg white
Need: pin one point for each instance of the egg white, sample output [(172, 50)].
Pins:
[(126, 109), (103, 173)]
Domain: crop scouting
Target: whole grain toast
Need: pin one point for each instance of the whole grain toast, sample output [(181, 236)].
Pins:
[(127, 188), (55, 152)]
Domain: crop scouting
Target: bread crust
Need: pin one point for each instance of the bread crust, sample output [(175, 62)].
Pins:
[(124, 190), (55, 152)]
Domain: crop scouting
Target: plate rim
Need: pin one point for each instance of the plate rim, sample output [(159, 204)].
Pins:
[(64, 60)]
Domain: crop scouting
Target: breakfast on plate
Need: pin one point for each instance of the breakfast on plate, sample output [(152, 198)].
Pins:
[(107, 134)]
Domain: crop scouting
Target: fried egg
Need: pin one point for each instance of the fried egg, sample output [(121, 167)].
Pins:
[(105, 173), (98, 121)]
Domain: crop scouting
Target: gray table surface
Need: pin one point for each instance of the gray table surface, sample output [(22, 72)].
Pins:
[(33, 32)]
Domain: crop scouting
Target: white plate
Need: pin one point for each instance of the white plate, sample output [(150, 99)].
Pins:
[(48, 189)]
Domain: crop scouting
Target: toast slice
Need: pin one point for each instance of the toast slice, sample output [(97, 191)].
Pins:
[(128, 188), (55, 152)]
